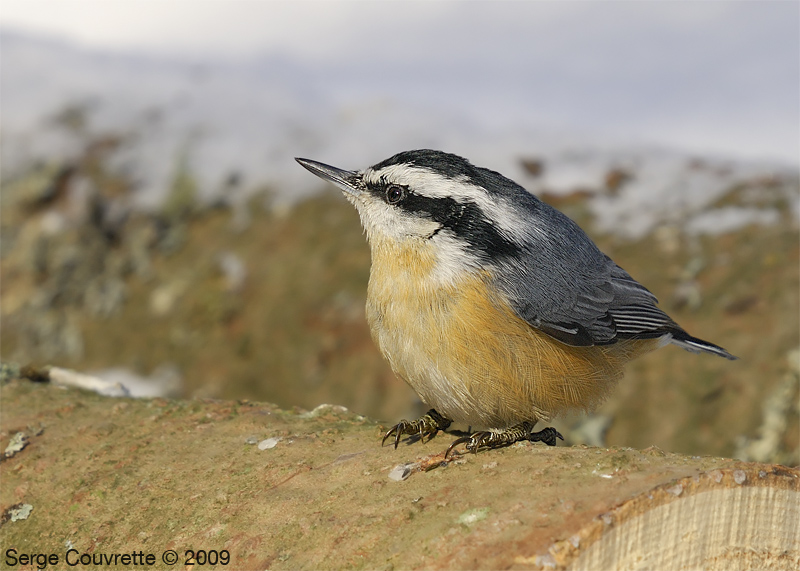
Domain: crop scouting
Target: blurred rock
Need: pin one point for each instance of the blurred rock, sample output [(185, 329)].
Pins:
[(742, 304), (104, 297), (68, 378), (687, 292), (164, 381), (563, 201), (616, 178), (730, 219), (163, 298), (17, 443), (533, 166), (233, 270), (48, 335), (8, 371), (19, 512), (668, 238)]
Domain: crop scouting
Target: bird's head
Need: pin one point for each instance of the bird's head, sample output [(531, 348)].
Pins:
[(471, 216)]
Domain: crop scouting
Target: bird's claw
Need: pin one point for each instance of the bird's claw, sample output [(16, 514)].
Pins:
[(462, 440), (489, 439), (431, 423), (399, 429)]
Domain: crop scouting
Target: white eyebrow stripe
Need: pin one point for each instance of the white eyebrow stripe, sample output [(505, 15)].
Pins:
[(429, 183), (419, 178)]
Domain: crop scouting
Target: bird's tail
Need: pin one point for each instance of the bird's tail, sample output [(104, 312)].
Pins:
[(695, 345)]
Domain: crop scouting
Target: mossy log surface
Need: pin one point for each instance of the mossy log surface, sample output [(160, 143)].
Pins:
[(114, 475)]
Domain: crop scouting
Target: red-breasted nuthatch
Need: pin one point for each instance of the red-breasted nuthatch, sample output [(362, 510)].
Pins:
[(496, 308)]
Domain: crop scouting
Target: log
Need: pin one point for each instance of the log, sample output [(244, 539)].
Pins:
[(295, 489)]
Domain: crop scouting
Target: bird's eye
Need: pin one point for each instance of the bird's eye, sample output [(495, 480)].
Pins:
[(394, 194)]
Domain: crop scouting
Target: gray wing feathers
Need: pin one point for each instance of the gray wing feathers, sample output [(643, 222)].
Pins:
[(634, 308), (568, 288), (562, 284)]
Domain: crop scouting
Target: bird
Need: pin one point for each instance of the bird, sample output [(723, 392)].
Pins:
[(496, 308)]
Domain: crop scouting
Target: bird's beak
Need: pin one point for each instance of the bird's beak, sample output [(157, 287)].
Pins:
[(346, 180)]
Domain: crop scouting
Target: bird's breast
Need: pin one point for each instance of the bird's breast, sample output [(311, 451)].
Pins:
[(464, 350)]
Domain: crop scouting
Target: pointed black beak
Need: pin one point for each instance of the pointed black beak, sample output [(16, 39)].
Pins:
[(346, 180)]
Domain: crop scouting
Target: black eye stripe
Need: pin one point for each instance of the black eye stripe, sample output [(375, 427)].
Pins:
[(464, 219)]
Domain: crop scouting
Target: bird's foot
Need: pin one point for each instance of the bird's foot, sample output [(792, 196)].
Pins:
[(497, 439), (431, 423)]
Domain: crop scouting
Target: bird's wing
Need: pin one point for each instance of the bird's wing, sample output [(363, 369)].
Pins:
[(562, 284)]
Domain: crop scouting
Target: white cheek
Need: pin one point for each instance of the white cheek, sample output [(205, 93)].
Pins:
[(379, 218), (453, 259)]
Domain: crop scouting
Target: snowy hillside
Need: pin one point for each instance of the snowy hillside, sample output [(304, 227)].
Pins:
[(248, 119)]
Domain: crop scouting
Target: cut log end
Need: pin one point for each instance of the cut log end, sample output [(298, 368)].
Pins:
[(722, 519)]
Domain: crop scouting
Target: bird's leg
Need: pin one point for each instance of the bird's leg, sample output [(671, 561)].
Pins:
[(496, 439), (430, 423)]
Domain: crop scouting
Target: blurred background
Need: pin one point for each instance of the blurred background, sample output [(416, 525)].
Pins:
[(156, 230)]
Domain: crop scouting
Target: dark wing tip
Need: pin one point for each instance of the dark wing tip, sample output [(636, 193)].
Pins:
[(695, 345)]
